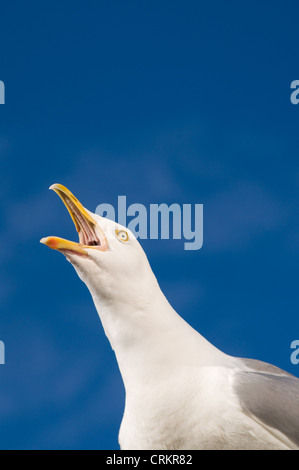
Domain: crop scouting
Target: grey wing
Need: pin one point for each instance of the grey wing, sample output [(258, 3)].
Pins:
[(271, 395)]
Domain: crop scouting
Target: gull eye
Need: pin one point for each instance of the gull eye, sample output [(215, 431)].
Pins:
[(122, 235)]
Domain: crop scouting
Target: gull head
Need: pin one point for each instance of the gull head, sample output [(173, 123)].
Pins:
[(108, 258)]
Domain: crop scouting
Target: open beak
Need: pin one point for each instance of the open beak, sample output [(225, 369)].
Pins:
[(90, 234)]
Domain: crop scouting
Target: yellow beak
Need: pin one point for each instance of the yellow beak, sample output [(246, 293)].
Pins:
[(61, 244), (67, 197), (85, 225)]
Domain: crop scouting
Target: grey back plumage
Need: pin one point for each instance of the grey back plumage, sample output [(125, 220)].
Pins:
[(271, 395)]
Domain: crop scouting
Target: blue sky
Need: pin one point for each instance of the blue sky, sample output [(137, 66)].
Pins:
[(185, 102)]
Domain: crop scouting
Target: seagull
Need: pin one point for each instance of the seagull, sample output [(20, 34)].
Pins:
[(182, 393)]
